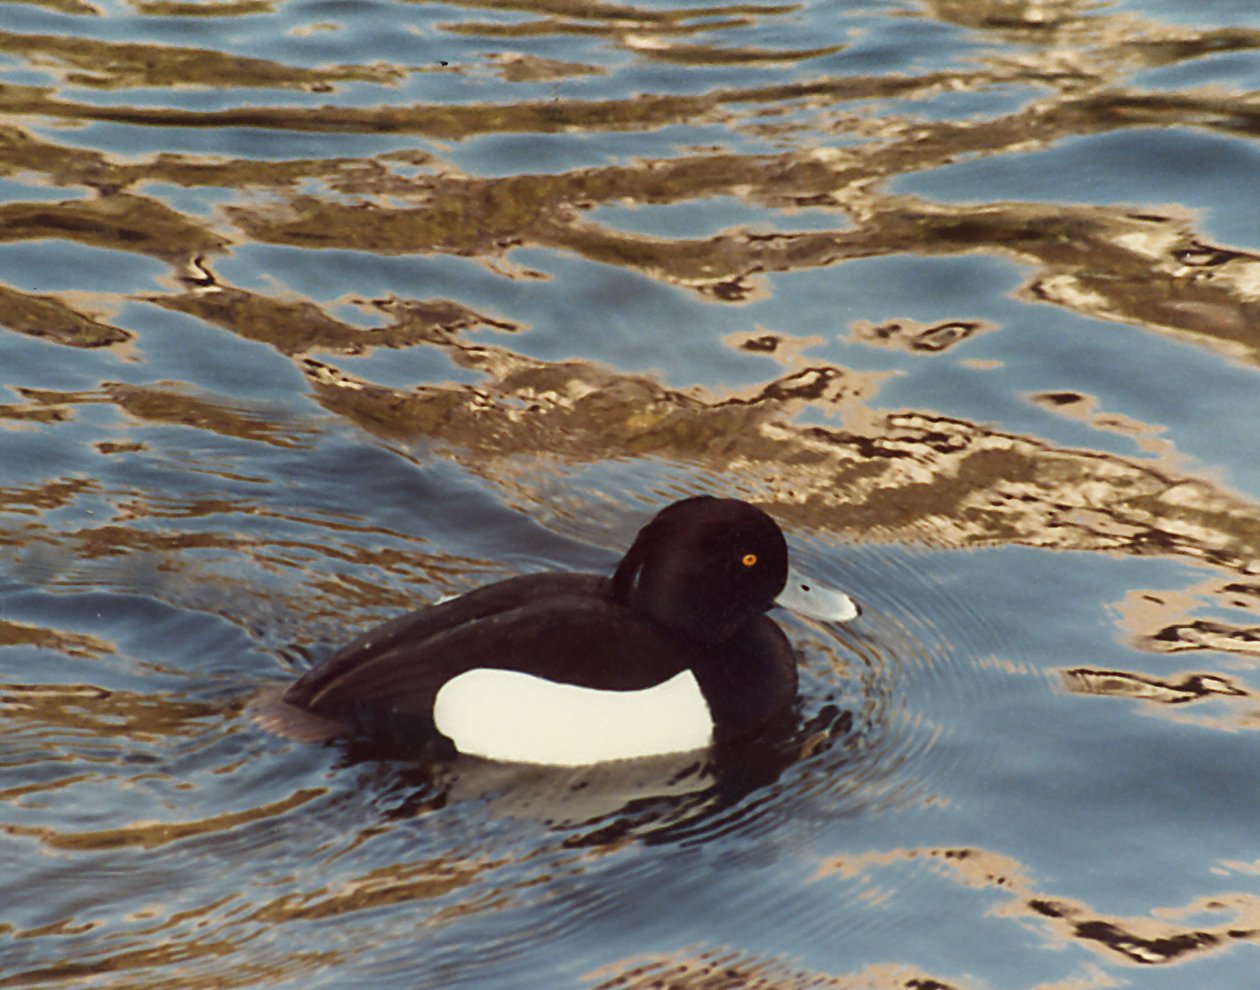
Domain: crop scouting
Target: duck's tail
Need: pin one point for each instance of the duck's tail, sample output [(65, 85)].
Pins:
[(270, 711)]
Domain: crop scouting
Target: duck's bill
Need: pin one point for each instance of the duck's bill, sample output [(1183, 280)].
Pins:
[(806, 596)]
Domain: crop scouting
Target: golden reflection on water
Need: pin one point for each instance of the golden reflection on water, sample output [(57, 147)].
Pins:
[(152, 835), (397, 883), (71, 644), (85, 708), (121, 65), (729, 970), (1160, 622), (1164, 691), (1151, 939), (903, 475), (964, 485)]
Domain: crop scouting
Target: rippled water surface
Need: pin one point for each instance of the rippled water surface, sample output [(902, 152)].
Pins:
[(313, 313)]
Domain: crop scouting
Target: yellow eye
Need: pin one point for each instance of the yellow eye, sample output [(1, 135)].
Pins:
[(748, 559)]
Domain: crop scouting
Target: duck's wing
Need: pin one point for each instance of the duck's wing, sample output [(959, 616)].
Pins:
[(384, 683), (406, 636)]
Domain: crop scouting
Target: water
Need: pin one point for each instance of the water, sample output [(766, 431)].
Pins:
[(314, 313)]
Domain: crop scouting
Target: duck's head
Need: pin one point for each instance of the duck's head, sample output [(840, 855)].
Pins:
[(705, 566)]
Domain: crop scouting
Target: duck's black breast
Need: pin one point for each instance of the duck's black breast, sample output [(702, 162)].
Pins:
[(561, 627)]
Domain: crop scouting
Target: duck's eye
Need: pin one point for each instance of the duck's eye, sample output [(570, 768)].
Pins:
[(748, 559)]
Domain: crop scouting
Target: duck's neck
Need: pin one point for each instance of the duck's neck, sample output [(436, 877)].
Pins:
[(748, 679)]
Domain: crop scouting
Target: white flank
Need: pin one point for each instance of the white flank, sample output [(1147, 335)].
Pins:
[(518, 718)]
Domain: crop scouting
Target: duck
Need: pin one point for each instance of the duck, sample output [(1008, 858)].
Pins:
[(673, 653)]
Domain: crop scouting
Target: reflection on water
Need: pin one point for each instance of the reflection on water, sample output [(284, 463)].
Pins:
[(312, 315), (1138, 940)]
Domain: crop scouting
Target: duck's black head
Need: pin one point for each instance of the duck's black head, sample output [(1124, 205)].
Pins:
[(704, 567)]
